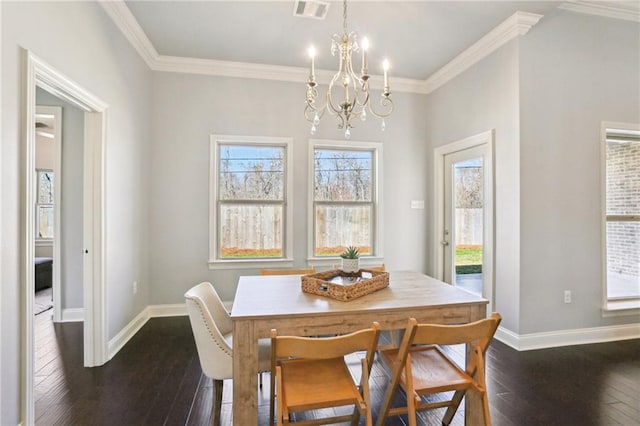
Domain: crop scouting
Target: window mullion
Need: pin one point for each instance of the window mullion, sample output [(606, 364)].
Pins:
[(623, 218)]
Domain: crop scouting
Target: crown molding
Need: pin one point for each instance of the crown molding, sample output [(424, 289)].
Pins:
[(268, 72), (127, 23), (615, 10), (516, 25), (228, 68)]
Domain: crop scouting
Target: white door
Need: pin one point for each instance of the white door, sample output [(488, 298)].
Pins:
[(465, 234)]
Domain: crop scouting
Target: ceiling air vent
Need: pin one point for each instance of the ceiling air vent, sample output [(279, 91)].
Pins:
[(310, 9)]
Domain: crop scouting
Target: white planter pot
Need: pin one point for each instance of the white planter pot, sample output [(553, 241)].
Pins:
[(350, 265)]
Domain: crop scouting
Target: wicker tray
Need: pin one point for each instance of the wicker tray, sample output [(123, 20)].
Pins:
[(345, 286)]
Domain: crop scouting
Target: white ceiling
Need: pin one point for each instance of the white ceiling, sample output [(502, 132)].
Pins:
[(418, 37)]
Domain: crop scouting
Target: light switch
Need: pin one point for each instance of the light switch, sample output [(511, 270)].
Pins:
[(417, 204)]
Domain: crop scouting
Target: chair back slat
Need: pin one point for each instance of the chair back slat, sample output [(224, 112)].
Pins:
[(479, 332), (327, 347)]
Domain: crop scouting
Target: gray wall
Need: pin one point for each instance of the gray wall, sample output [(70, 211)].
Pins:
[(546, 95), (70, 186), (81, 41), (189, 108), (482, 98), (576, 71)]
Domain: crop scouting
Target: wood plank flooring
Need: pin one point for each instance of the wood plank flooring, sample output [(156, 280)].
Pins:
[(156, 380)]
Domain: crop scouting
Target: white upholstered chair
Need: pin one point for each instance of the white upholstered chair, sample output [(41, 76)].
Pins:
[(212, 329)]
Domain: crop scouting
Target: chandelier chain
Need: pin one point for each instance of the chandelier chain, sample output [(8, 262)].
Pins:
[(344, 16)]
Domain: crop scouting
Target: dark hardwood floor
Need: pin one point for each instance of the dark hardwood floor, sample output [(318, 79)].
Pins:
[(156, 380)]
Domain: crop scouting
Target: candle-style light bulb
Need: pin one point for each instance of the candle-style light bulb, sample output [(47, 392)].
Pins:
[(385, 67), (346, 83), (312, 55), (365, 47)]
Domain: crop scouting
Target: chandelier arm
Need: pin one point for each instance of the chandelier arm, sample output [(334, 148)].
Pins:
[(337, 112), (365, 103), (330, 107), (312, 94), (311, 109), (357, 81), (386, 103), (329, 98), (353, 111)]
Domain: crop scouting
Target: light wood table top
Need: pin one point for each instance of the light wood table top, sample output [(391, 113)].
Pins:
[(277, 301)]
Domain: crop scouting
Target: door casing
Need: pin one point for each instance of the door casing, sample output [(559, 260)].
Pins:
[(36, 72), (485, 140)]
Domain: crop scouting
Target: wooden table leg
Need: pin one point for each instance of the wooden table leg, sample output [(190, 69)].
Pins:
[(472, 401), (245, 374), (473, 409)]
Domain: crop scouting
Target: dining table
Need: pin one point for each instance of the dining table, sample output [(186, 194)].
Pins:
[(266, 302)]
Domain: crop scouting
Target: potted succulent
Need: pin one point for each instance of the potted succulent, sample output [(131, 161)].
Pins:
[(350, 259)]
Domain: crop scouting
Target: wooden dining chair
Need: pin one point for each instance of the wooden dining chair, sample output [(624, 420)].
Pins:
[(303, 271), (310, 373), (421, 367), (378, 268)]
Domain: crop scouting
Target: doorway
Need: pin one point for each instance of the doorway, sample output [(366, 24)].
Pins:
[(48, 163), (464, 220), (37, 73)]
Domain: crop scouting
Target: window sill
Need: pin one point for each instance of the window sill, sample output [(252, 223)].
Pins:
[(250, 263), (614, 308), (330, 261)]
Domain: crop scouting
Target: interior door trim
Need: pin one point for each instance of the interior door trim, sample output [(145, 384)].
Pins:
[(36, 72)]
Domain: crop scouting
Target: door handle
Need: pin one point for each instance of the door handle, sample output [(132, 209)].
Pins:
[(444, 243)]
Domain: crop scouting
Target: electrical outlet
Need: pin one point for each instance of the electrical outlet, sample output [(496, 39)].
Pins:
[(135, 287), (567, 296)]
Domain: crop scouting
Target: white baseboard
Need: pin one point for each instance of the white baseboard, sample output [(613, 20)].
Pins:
[(151, 311), (72, 315), (581, 336), (128, 332), (175, 310), (522, 342)]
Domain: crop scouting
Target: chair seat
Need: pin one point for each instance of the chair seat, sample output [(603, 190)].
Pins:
[(308, 384), (433, 371)]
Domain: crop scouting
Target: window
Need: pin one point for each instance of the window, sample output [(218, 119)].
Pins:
[(250, 193), (44, 205), (345, 198), (622, 218)]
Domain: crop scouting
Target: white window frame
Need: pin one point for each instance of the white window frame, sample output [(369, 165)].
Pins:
[(377, 256), (44, 241), (630, 306), (215, 262)]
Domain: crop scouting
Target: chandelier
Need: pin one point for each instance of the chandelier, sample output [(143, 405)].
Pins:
[(355, 88)]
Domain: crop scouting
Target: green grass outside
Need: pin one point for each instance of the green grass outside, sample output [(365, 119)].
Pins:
[(468, 259)]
